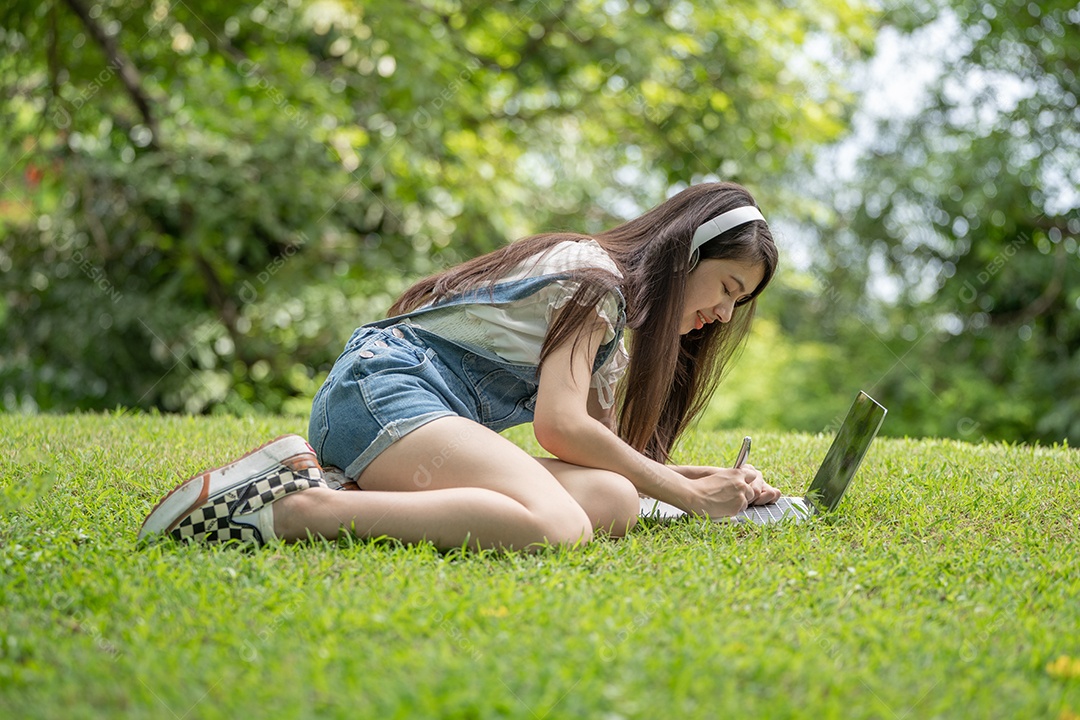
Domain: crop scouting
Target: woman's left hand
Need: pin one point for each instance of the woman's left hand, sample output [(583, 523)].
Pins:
[(764, 493)]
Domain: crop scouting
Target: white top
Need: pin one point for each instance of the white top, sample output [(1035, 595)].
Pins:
[(516, 331)]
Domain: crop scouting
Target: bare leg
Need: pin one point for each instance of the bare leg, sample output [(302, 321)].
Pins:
[(609, 499), (448, 482)]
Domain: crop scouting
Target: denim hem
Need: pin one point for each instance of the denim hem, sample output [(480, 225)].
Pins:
[(387, 436)]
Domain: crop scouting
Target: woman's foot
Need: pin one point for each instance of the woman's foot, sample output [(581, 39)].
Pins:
[(235, 502)]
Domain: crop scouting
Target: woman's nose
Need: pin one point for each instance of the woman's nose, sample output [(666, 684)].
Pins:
[(723, 311)]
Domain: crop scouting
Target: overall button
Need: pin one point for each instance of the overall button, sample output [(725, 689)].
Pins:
[(380, 344), (366, 354), (397, 333)]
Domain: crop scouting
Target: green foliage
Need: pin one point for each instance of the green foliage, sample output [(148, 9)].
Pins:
[(946, 277), (204, 199), (944, 587), (197, 214), (973, 207)]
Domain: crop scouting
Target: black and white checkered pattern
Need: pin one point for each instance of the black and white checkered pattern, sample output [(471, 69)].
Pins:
[(216, 520), (211, 523), (280, 483)]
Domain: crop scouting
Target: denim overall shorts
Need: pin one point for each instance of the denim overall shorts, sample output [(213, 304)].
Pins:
[(394, 377)]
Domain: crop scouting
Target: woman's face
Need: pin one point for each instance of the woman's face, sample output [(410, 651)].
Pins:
[(714, 287)]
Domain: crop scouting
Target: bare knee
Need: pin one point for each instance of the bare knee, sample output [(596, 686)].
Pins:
[(609, 499), (565, 525), (615, 504)]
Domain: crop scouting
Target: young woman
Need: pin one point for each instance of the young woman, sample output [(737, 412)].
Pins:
[(412, 408)]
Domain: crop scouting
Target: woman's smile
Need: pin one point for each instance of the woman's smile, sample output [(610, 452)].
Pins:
[(714, 288)]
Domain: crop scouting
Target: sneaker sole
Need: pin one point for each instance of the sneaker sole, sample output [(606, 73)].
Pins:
[(292, 451)]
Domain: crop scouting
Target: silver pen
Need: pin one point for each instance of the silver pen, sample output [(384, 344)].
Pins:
[(744, 452)]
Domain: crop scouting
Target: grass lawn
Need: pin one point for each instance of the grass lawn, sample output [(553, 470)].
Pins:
[(948, 585)]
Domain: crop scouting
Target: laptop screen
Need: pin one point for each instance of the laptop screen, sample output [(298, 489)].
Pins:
[(852, 440)]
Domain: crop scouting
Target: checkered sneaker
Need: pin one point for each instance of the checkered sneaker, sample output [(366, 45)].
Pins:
[(212, 523), (266, 490), (218, 521)]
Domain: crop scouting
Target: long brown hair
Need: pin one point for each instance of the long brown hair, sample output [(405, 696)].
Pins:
[(670, 378)]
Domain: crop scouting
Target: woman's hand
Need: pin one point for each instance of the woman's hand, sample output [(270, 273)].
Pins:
[(723, 492)]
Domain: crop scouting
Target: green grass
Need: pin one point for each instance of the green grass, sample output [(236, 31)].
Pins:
[(946, 586)]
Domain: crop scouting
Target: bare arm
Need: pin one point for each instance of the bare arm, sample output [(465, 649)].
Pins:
[(566, 428), (606, 416)]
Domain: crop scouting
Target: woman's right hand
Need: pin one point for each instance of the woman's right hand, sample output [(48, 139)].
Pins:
[(723, 492)]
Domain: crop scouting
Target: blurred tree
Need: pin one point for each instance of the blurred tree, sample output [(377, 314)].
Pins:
[(203, 199), (962, 222)]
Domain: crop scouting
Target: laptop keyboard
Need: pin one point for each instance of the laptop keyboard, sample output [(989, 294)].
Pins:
[(785, 507), (782, 508)]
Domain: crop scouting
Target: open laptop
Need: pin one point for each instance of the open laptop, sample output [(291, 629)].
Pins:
[(859, 429)]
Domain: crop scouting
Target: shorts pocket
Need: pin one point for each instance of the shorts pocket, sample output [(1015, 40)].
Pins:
[(382, 352), (501, 394), (390, 372)]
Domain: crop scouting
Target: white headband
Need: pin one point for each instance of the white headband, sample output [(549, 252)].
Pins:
[(719, 225)]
